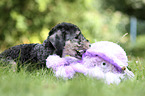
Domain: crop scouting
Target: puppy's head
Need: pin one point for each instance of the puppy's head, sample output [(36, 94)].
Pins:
[(67, 36)]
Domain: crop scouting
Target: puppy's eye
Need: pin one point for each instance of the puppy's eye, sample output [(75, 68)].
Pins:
[(77, 36)]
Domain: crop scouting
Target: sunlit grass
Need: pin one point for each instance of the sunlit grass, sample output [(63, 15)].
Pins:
[(43, 83)]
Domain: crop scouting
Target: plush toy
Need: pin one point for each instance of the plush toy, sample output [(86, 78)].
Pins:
[(103, 60)]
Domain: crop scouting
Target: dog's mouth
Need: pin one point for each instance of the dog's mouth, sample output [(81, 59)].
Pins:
[(79, 53), (81, 49), (75, 49)]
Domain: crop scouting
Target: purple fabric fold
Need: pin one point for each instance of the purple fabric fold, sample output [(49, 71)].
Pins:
[(103, 56)]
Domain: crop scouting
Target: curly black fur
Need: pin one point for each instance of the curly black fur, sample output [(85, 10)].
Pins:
[(54, 44)]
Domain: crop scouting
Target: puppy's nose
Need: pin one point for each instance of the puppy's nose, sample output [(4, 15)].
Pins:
[(84, 50), (81, 52)]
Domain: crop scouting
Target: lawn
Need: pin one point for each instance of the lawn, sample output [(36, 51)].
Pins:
[(43, 83)]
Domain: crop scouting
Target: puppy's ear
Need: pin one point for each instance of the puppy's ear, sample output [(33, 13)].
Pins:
[(58, 41)]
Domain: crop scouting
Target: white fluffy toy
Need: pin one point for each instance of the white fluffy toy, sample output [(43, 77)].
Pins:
[(103, 60)]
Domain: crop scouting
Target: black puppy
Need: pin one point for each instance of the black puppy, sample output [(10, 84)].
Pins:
[(64, 39)]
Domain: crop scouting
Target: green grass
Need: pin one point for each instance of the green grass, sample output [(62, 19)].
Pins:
[(43, 83)]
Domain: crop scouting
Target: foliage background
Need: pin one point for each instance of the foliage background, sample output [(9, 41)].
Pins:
[(29, 21)]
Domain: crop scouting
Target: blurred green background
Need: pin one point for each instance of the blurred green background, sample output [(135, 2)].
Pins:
[(29, 21)]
